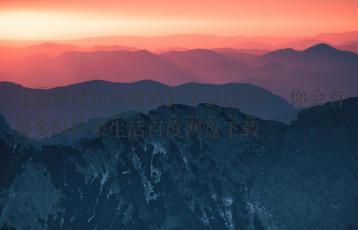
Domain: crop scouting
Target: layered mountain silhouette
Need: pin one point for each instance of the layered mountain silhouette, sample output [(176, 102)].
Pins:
[(204, 167), (202, 41), (207, 65), (41, 113), (320, 66), (53, 49), (321, 57)]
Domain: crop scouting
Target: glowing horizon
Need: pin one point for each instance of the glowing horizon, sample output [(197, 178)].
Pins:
[(44, 20)]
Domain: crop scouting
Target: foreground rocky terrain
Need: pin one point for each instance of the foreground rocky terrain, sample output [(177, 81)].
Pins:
[(182, 167)]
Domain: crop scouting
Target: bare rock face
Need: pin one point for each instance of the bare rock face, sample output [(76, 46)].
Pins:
[(182, 167)]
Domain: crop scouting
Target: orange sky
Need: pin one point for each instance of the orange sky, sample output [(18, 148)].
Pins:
[(68, 19)]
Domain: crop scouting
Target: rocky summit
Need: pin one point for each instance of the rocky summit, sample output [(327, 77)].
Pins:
[(181, 167)]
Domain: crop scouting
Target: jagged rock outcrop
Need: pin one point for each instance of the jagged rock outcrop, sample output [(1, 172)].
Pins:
[(182, 167)]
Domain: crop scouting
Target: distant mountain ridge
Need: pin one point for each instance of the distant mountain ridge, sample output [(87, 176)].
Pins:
[(191, 41), (31, 109), (320, 66)]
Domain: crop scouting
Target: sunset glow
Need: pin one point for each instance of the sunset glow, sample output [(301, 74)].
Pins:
[(64, 25), (51, 43), (77, 19)]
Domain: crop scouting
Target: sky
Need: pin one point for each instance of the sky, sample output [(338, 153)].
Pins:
[(71, 19)]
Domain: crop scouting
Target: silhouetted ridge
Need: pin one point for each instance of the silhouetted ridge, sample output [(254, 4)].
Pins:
[(85, 101), (148, 82), (284, 52), (321, 48), (336, 111), (9, 84)]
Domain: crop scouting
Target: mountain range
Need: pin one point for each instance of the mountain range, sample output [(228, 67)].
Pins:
[(41, 113), (202, 41), (319, 67), (202, 167)]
